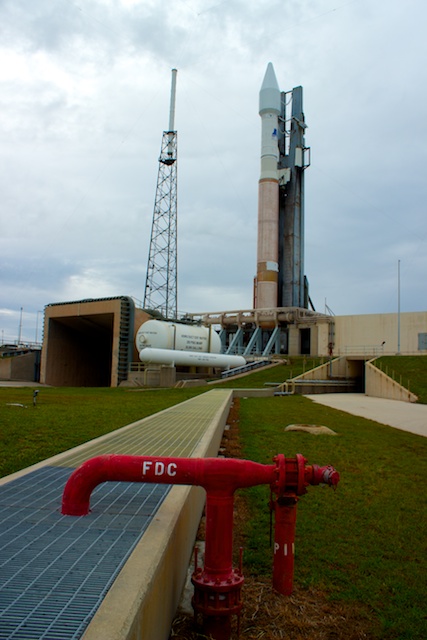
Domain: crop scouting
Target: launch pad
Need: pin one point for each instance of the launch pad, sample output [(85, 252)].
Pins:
[(92, 342)]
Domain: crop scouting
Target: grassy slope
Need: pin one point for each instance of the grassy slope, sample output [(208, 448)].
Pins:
[(288, 369), (411, 371)]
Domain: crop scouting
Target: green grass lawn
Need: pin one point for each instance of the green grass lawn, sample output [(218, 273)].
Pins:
[(64, 418), (364, 543)]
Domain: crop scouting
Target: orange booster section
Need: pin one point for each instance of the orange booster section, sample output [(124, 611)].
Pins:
[(268, 247)]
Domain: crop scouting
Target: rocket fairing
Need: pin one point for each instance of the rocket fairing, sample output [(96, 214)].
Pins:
[(266, 288)]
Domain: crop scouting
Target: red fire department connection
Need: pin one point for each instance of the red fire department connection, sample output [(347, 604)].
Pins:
[(217, 586)]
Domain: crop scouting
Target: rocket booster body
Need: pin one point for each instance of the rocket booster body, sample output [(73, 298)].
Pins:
[(280, 279), (266, 287)]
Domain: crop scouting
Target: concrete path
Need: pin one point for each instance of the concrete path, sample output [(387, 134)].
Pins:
[(407, 416), (20, 383)]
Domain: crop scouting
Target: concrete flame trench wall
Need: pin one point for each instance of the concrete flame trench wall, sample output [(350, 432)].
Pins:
[(89, 342), (118, 573)]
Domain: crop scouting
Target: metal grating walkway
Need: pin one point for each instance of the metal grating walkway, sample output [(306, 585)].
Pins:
[(55, 570)]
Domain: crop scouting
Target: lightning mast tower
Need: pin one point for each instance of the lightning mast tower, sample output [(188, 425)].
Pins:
[(161, 286)]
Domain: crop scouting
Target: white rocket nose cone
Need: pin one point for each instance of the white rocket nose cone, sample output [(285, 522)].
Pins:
[(269, 95)]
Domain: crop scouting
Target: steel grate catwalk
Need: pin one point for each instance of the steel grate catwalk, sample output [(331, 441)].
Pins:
[(55, 570), (173, 432)]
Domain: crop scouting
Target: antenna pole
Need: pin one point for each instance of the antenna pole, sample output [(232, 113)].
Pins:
[(172, 105)]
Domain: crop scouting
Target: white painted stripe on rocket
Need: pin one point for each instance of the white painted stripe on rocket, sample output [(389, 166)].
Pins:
[(272, 266)]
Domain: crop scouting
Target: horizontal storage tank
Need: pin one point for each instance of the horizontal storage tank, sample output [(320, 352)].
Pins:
[(158, 334)]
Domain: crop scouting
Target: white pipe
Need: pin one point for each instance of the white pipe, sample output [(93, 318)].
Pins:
[(190, 358)]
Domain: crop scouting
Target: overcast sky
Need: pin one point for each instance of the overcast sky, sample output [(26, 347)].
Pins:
[(84, 99)]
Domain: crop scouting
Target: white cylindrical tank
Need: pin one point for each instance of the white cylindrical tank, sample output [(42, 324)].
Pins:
[(190, 358), (158, 334)]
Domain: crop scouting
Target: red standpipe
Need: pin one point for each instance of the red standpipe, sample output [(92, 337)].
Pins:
[(217, 586), (294, 475)]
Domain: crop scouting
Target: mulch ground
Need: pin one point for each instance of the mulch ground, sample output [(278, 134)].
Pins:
[(306, 615)]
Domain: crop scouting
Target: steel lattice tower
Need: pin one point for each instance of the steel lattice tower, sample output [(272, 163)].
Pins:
[(161, 286)]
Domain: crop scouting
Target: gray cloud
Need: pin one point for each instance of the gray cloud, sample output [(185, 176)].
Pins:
[(84, 97)]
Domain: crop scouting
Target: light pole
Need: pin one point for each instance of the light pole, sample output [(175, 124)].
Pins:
[(20, 327), (398, 307), (37, 325)]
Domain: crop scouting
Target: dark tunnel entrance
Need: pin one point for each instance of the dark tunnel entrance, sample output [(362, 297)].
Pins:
[(80, 351)]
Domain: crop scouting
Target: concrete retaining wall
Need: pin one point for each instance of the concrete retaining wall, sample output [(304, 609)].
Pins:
[(380, 385), (21, 367), (143, 600), (336, 368)]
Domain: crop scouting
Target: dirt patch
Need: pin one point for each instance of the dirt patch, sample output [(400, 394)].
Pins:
[(306, 615), (314, 429)]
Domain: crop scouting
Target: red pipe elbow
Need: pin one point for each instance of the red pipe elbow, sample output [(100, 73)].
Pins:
[(216, 475)]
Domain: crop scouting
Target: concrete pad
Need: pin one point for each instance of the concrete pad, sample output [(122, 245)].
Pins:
[(21, 383), (394, 413)]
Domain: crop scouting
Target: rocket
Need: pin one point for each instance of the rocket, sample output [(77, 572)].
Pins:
[(266, 281), (280, 279)]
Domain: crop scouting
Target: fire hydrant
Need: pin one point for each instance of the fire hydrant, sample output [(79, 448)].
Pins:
[(294, 475), (217, 586)]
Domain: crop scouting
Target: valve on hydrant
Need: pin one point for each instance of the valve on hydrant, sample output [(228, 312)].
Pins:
[(217, 586)]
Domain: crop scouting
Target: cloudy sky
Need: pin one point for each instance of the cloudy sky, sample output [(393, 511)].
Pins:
[(84, 99)]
